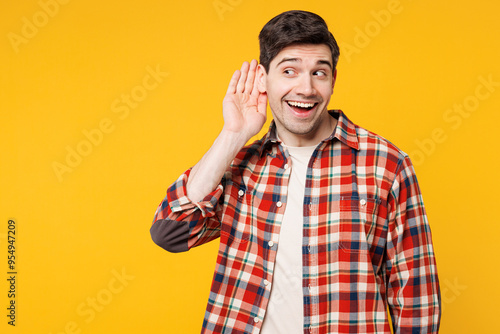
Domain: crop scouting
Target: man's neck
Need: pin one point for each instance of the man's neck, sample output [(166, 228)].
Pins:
[(309, 139)]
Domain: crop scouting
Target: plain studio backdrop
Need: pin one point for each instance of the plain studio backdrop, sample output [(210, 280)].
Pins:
[(104, 104)]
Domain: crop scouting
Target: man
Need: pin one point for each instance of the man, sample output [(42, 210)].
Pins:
[(321, 222)]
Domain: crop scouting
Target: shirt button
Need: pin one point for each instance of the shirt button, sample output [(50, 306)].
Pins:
[(241, 193), (256, 319), (279, 204), (266, 282), (286, 166), (270, 243), (362, 202)]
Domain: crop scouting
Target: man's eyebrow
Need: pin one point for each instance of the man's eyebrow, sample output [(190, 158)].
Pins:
[(284, 60), (326, 62), (319, 62)]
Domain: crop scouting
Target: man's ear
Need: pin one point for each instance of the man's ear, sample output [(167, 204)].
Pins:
[(334, 78), (261, 79)]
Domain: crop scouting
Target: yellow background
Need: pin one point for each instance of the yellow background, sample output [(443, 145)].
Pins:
[(78, 231)]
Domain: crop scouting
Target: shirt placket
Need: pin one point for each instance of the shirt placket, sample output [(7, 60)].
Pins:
[(280, 196), (311, 221)]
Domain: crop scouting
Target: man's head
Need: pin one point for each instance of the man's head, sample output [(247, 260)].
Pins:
[(293, 28), (297, 72)]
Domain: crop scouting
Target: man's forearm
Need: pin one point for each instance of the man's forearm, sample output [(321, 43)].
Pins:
[(208, 172)]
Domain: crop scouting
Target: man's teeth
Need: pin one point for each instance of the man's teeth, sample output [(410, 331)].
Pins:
[(300, 104)]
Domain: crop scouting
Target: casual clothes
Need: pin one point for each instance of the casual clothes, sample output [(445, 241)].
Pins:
[(366, 241)]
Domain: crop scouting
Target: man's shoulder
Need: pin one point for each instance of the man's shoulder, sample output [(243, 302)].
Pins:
[(371, 141), (375, 151), (371, 144), (359, 137)]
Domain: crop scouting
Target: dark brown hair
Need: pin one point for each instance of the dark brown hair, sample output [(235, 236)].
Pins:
[(295, 27)]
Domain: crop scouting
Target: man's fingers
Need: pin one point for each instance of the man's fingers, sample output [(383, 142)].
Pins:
[(243, 80), (231, 89), (240, 88), (255, 88), (249, 84)]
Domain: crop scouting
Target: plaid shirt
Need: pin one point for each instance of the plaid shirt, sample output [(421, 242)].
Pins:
[(366, 240)]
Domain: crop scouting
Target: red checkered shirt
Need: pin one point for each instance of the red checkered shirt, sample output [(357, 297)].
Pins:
[(366, 240)]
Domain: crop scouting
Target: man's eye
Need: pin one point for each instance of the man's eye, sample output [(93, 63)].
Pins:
[(320, 73), (288, 72)]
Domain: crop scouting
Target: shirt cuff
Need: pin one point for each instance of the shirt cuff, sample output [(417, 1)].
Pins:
[(180, 202)]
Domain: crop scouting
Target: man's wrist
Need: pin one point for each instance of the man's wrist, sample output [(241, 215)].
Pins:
[(233, 141)]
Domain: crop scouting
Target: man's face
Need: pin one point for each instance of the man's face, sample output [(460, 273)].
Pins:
[(299, 86)]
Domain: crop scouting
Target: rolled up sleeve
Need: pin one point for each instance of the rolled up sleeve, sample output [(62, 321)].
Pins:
[(180, 224)]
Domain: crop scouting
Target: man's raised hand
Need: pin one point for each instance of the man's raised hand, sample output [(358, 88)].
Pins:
[(244, 107)]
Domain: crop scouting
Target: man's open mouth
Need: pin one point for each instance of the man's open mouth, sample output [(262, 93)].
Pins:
[(302, 105)]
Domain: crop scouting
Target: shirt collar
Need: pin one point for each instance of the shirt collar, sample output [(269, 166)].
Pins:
[(345, 132)]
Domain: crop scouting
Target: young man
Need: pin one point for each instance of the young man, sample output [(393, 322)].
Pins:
[(321, 222)]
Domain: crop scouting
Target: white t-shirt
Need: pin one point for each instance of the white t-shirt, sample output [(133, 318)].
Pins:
[(285, 312)]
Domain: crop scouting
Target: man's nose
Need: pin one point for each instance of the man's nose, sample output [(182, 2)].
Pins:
[(305, 85)]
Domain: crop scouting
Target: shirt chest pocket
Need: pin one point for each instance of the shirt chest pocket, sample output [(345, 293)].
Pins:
[(236, 219), (357, 223)]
